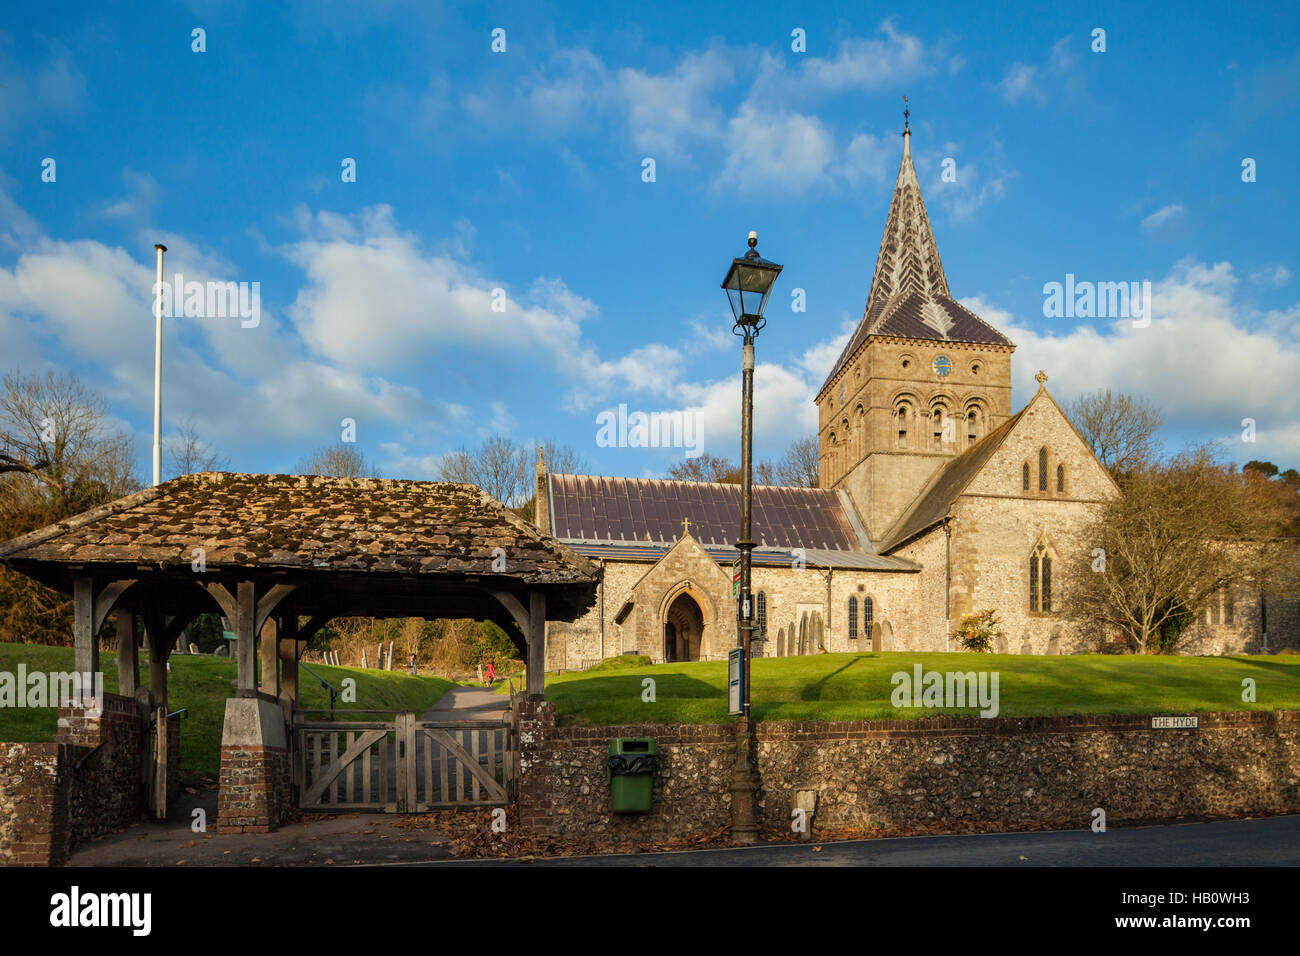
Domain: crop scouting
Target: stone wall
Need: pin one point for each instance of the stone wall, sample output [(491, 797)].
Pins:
[(33, 804), (1021, 772), (54, 797)]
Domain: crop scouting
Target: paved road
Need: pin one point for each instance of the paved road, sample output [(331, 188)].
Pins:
[(1274, 841)]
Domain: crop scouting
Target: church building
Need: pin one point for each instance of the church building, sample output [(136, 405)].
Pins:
[(935, 500)]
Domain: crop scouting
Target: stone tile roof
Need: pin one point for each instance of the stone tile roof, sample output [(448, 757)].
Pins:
[(640, 511), (909, 295), (312, 523), (936, 498)]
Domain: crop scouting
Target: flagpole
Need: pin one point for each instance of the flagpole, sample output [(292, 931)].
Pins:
[(157, 369)]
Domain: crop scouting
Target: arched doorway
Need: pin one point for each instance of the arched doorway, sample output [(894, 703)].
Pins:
[(683, 629)]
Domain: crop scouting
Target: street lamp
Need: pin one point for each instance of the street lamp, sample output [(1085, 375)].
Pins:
[(748, 284)]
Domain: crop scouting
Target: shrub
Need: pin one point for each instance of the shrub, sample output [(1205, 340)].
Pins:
[(978, 631)]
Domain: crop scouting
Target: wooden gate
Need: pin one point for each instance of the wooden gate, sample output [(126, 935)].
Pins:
[(405, 765)]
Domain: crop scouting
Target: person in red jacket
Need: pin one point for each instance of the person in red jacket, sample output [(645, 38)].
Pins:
[(490, 673)]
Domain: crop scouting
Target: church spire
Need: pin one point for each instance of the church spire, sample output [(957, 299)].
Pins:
[(909, 259)]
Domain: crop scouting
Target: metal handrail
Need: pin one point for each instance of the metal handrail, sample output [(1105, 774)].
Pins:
[(334, 691)]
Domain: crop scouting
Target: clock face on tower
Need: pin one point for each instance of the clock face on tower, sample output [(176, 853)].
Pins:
[(942, 366)]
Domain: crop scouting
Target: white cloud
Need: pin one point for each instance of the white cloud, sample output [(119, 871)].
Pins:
[(1202, 360), (775, 152), (1277, 275), (1021, 82), (1163, 217), (1058, 76)]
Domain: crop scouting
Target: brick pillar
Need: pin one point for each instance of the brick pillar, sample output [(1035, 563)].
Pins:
[(534, 721), (256, 784)]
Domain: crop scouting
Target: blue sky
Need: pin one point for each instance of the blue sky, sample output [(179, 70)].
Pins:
[(523, 171)]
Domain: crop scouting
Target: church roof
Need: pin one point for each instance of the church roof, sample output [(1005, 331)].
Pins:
[(302, 523), (936, 498), (909, 295), (640, 518)]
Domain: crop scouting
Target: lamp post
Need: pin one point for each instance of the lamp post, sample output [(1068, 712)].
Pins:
[(748, 284)]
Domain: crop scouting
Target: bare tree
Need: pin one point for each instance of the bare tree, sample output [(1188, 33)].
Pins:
[(506, 469), (720, 470), (344, 460), (1119, 428), (189, 455), (1153, 556), (59, 455), (800, 468)]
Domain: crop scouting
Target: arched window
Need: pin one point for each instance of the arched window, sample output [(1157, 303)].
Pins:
[(760, 605), (853, 618), (1040, 580), (1024, 477), (833, 459), (937, 416), (902, 418), (1060, 479), (972, 427), (868, 615), (1042, 469), (859, 432)]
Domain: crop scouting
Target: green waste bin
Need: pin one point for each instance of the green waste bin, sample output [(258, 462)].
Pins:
[(630, 770)]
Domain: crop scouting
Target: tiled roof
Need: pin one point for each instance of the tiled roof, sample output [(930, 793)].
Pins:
[(763, 557), (306, 522), (909, 295), (639, 511), (935, 500)]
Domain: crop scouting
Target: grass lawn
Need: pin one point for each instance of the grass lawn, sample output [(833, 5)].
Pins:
[(202, 684), (858, 687)]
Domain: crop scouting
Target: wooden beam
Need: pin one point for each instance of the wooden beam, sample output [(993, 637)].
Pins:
[(128, 660), (515, 607), (314, 624), (107, 598), (536, 645), (246, 649), (288, 652), (269, 600), (86, 653), (225, 600), (270, 658)]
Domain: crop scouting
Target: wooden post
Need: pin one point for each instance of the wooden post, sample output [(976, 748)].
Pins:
[(536, 645), (246, 621), (128, 660), (159, 647), (86, 654), (289, 656), (270, 658)]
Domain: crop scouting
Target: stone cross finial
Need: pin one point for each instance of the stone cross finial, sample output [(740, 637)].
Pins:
[(1041, 378), (686, 526), (541, 462)]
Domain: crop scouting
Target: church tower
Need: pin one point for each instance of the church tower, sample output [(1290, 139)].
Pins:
[(921, 380)]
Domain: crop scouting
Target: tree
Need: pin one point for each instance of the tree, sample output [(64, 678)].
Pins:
[(59, 456), (1119, 428), (1154, 555), (189, 455), (1265, 468), (711, 468), (801, 466), (506, 470), (343, 460)]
